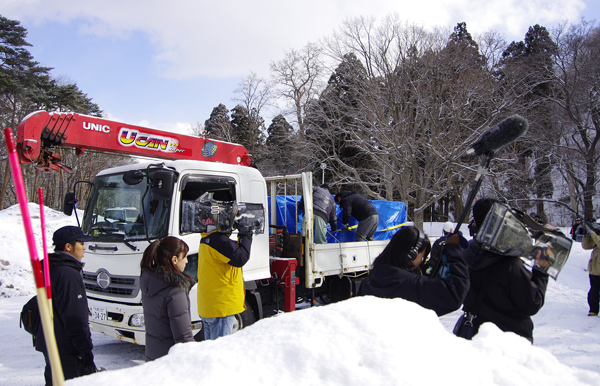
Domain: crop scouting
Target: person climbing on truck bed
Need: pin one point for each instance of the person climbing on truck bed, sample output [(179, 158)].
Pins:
[(355, 205)]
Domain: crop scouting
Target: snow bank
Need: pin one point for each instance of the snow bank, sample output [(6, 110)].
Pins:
[(16, 278), (361, 341)]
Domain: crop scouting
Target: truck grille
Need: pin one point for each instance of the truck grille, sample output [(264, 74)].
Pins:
[(120, 286)]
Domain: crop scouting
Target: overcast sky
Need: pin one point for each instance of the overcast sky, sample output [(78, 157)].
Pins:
[(167, 64)]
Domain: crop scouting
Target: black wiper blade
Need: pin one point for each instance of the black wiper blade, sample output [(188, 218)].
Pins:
[(133, 247), (116, 232), (110, 231)]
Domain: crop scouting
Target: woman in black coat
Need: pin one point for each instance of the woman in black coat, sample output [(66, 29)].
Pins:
[(165, 296), (396, 273)]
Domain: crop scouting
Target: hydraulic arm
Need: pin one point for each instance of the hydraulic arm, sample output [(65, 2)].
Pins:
[(41, 131)]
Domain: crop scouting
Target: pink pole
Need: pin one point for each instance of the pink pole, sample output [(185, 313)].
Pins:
[(43, 225), (58, 378), (15, 168)]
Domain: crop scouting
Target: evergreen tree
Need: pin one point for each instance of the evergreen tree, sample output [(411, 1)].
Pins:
[(68, 97), (23, 81), (338, 120), (281, 147), (26, 86), (219, 126), (247, 126)]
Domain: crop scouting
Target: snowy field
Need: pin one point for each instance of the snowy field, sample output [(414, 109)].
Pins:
[(362, 341)]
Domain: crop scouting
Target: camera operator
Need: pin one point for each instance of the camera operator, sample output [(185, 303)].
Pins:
[(221, 292), (503, 290), (592, 241)]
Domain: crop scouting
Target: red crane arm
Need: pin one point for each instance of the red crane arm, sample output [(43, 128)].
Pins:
[(40, 131)]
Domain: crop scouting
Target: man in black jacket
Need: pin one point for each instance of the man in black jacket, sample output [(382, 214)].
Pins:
[(355, 205), (323, 213), (69, 306), (503, 290)]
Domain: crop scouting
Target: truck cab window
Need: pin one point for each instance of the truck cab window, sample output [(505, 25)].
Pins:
[(116, 211)]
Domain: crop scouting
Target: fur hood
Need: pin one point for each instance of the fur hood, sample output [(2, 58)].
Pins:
[(154, 281)]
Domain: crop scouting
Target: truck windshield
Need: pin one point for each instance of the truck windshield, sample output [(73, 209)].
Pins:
[(115, 211)]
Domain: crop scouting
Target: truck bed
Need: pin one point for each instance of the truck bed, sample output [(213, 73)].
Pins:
[(349, 259)]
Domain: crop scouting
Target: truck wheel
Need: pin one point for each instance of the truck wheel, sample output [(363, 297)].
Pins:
[(199, 337), (244, 319)]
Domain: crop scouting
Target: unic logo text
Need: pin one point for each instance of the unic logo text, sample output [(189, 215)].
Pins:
[(96, 127)]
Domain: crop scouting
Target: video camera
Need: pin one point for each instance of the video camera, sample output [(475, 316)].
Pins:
[(591, 226), (208, 215), (511, 232)]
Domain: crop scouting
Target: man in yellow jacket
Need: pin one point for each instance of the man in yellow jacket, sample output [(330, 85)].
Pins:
[(221, 293), (592, 241)]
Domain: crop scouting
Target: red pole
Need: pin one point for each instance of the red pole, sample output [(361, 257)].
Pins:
[(43, 225), (47, 325)]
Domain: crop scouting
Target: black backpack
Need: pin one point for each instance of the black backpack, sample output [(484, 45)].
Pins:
[(30, 317)]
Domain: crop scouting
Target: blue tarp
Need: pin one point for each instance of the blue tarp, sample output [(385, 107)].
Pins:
[(391, 214)]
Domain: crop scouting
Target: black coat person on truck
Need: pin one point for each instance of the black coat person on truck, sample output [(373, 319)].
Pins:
[(355, 205), (69, 306), (396, 273), (323, 213)]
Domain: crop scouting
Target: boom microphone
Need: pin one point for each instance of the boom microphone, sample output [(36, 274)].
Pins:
[(505, 132)]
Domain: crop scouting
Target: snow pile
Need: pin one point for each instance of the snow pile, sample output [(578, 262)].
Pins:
[(16, 278), (361, 341)]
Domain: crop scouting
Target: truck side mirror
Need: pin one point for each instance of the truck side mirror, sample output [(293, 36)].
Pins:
[(162, 184), (133, 177), (69, 203)]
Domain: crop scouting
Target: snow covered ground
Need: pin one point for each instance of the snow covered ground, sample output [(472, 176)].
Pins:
[(362, 341)]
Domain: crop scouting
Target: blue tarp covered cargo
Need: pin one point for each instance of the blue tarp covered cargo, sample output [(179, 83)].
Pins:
[(392, 214)]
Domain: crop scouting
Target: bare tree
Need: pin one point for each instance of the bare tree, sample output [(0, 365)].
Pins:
[(254, 93), (298, 78), (395, 124), (197, 129), (577, 64)]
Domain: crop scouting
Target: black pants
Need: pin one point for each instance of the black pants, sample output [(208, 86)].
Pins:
[(594, 294), (367, 228), (72, 367)]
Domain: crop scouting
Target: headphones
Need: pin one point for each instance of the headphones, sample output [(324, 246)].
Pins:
[(414, 251)]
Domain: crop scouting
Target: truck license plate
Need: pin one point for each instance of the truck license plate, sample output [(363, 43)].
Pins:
[(99, 313)]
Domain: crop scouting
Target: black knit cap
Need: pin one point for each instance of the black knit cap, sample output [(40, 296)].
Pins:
[(69, 234)]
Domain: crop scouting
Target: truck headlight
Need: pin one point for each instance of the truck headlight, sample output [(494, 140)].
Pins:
[(136, 320)]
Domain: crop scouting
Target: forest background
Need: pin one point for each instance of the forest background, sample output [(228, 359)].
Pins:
[(382, 107)]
